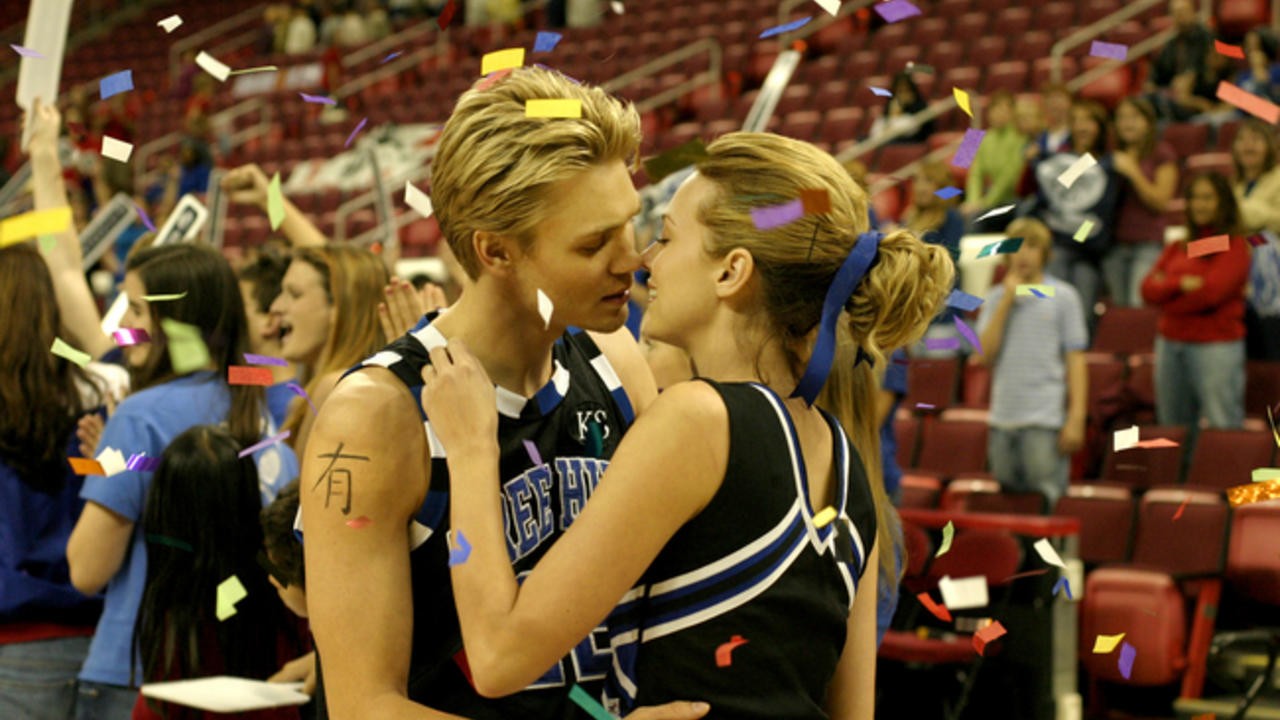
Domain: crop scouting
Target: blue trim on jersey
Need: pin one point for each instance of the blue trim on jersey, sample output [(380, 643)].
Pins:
[(432, 512), (624, 405)]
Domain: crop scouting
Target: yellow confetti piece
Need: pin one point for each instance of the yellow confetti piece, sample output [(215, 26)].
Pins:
[(1104, 644), (948, 534), (824, 517), (1083, 233), (1045, 290), (557, 108), (501, 60), (165, 297), (259, 69), (962, 99), (230, 592), (1266, 474), (63, 350), (32, 224), (275, 202)]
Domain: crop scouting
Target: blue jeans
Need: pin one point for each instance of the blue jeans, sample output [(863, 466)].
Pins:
[(38, 679), (1027, 459), (1073, 265), (1196, 381), (1125, 266), (105, 702)]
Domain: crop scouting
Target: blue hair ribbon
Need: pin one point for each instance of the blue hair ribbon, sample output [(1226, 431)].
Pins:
[(846, 281)]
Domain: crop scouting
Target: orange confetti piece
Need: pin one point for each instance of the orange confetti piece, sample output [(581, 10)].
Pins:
[(86, 466), (724, 653), (245, 375), (937, 609), (1249, 102), (1253, 492), (988, 635), (1208, 246)]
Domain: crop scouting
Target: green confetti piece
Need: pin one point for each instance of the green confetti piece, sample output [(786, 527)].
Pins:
[(1266, 474), (48, 243), (948, 534), (63, 350), (589, 704), (595, 440), (187, 351), (164, 297), (1083, 233), (230, 592), (170, 542), (275, 202)]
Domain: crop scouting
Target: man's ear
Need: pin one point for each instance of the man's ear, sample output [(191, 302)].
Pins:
[(735, 273), (494, 251)]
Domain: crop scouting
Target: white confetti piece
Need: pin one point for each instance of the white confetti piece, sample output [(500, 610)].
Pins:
[(170, 23), (545, 308), (213, 66), (1078, 168), (831, 6), (1047, 553), (418, 200), (118, 150), (1126, 438), (112, 461), (964, 593)]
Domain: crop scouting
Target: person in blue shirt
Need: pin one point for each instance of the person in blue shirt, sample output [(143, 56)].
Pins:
[(192, 285), (260, 282), (44, 623)]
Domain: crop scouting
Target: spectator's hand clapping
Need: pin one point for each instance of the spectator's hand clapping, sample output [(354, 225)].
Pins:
[(405, 306)]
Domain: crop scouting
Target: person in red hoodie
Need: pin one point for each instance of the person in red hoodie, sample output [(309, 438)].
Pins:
[(1200, 342)]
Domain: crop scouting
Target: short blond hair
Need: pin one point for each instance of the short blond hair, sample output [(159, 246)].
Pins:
[(1033, 233), (494, 166)]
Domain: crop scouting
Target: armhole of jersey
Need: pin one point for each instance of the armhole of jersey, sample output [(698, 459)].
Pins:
[(604, 369)]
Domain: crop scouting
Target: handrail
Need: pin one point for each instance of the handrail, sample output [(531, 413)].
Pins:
[(196, 40), (414, 175), (933, 111), (377, 47), (711, 46), (404, 62), (1091, 31), (786, 7)]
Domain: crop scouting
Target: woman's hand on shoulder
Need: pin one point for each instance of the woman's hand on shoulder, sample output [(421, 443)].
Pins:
[(459, 400)]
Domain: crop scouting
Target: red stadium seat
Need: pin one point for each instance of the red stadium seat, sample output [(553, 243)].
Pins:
[(1187, 138), (1236, 17), (1226, 135), (944, 55), (794, 99), (988, 51), (1226, 458), (952, 447), (920, 491), (930, 31), (1193, 544), (1219, 162), (802, 125), (1106, 514), (863, 64), (1031, 46), (952, 8), (1111, 87), (1012, 76), (984, 495), (1262, 388), (900, 57), (1125, 331), (1148, 607), (932, 382), (842, 124), (893, 157), (976, 391), (971, 25), (966, 78), (1253, 566), (1012, 22), (1141, 468), (1056, 15), (906, 430)]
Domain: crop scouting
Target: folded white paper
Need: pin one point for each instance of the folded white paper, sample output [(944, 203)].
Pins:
[(227, 694)]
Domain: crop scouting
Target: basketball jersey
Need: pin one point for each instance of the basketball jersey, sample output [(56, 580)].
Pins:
[(753, 567), (574, 423)]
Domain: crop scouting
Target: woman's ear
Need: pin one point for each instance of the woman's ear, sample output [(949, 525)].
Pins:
[(735, 273)]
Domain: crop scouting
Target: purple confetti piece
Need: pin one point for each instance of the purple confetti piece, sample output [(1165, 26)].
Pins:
[(297, 390), (141, 463), (942, 343), (458, 555), (320, 99), (896, 10), (925, 406), (1065, 586), (1037, 293), (964, 301), (546, 42), (766, 218), (778, 30), (881, 91), (251, 359), (115, 84), (968, 149), (126, 337), (26, 52), (1128, 654), (355, 132), (145, 219), (265, 443), (1111, 51), (391, 57), (968, 334), (534, 455), (948, 192)]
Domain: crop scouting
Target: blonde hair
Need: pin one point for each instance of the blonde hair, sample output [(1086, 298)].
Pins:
[(494, 166), (891, 307), (354, 279), (1033, 233)]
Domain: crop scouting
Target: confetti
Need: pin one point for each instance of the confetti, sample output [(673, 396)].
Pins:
[(1038, 294), (948, 534), (1001, 247), (617, 7), (26, 52), (355, 132), (534, 456), (546, 42), (545, 308), (1111, 51), (553, 108), (1265, 474), (417, 200), (259, 69), (896, 10), (275, 202), (48, 243), (252, 359), (187, 351), (995, 211), (881, 92), (1083, 232), (117, 150), (243, 375), (115, 83), (1066, 586), (146, 219), (724, 653), (831, 6), (1128, 654), (391, 56), (1126, 438), (1104, 644), (938, 611), (278, 437), (1078, 168), (824, 517), (213, 66), (815, 201), (1156, 443), (988, 635), (297, 389), (65, 351), (1253, 492), (962, 300), (942, 343), (787, 27), (767, 218), (126, 337), (230, 592), (1178, 513), (359, 523), (1035, 289), (1249, 102), (458, 555), (948, 192), (1231, 51), (1208, 246), (968, 149), (446, 15), (33, 224), (139, 462), (86, 466), (962, 99), (171, 23), (167, 541), (501, 60), (968, 334), (926, 406), (964, 593), (589, 704), (1046, 552), (165, 297), (318, 99)]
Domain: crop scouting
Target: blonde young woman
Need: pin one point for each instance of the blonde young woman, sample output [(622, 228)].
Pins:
[(704, 534)]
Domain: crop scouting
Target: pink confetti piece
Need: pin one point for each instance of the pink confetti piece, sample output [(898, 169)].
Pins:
[(252, 359), (968, 149), (968, 334), (125, 337), (26, 52), (1208, 246), (1248, 102), (1111, 51), (534, 456), (297, 390), (925, 406), (145, 219), (320, 99), (359, 523), (355, 132), (265, 443), (896, 10), (766, 218)]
